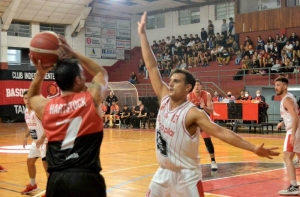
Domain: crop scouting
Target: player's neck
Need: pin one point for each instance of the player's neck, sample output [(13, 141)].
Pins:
[(176, 103)]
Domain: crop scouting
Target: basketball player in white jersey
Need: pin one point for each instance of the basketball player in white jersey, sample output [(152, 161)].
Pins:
[(37, 148), (177, 139), (289, 112)]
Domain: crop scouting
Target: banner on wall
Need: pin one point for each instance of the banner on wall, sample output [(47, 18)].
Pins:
[(105, 35), (14, 83)]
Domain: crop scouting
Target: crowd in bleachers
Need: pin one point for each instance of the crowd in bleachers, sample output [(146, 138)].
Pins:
[(277, 55)]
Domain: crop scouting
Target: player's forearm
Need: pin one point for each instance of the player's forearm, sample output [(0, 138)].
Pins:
[(36, 85), (147, 53), (235, 140), (90, 65), (208, 109)]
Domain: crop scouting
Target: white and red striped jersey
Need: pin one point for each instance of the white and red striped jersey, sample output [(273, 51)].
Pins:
[(34, 125), (175, 148), (287, 118)]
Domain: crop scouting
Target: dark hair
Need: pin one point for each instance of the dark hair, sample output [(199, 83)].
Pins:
[(65, 72), (197, 80), (25, 92), (282, 79), (189, 78)]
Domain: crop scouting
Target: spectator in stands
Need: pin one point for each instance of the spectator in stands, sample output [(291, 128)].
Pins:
[(202, 59), (260, 43), (167, 57), (217, 97), (143, 116), (287, 65), (146, 73), (263, 55), (177, 44), (269, 44), (179, 38), (197, 40), (186, 39), (246, 61), (230, 96), (159, 57), (182, 65), (160, 68), (225, 57), (172, 45), (213, 54), (229, 43), (168, 41), (293, 39), (125, 117), (204, 37), (275, 51), (259, 97), (113, 115), (191, 43), (104, 108), (168, 69), (224, 31), (231, 26), (239, 58), (268, 62), (288, 49), (141, 67), (247, 50), (134, 117), (276, 67), (282, 41), (242, 95), (254, 64), (247, 39), (210, 28), (155, 47), (133, 78), (220, 50), (247, 96), (296, 51), (219, 40), (193, 59)]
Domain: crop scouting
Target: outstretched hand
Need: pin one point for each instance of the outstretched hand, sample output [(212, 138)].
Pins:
[(38, 64), (265, 152), (142, 24)]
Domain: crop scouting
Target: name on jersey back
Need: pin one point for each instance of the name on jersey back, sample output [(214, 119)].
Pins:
[(67, 107)]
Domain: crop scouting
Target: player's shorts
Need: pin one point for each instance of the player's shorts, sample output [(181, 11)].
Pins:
[(76, 182), (184, 183), (35, 152), (287, 147)]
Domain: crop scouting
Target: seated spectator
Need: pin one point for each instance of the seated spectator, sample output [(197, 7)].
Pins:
[(191, 43), (197, 40), (125, 117), (114, 111), (224, 58), (229, 43), (230, 96), (134, 117), (161, 68), (182, 65), (220, 50), (235, 47), (275, 51), (143, 116), (217, 97), (167, 57), (155, 47), (213, 54), (254, 64), (268, 62), (239, 58), (276, 67), (168, 69), (219, 40), (287, 65), (247, 96), (293, 39), (263, 56), (202, 59), (247, 39), (104, 108), (133, 78), (247, 50), (159, 57), (288, 49), (259, 97), (246, 62), (141, 67), (269, 44), (296, 51), (172, 45), (193, 59), (260, 43), (242, 95)]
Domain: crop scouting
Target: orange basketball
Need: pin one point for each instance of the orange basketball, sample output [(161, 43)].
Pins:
[(45, 47)]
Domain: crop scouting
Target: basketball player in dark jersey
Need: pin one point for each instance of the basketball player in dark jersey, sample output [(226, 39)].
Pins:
[(73, 125), (202, 99)]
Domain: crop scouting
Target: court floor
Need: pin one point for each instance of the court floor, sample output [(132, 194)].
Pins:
[(129, 162)]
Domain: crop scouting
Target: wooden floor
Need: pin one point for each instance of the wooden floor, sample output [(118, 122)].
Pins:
[(129, 162)]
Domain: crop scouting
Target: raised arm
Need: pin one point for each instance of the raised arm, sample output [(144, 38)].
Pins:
[(199, 118), (158, 85)]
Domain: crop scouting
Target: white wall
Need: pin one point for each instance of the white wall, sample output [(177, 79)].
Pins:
[(173, 29)]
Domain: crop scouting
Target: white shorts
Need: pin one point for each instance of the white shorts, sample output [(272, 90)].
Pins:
[(35, 152), (287, 147), (184, 183)]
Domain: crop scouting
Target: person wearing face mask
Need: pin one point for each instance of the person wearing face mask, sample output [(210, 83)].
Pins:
[(230, 96), (217, 97), (242, 95), (247, 97), (259, 97)]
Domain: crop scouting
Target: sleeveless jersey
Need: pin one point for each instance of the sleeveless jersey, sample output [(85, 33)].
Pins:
[(34, 125), (287, 118), (175, 148), (74, 131), (197, 98)]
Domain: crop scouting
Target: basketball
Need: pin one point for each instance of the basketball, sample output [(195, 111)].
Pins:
[(45, 47)]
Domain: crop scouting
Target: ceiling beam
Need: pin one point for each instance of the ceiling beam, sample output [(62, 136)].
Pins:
[(80, 21), (9, 14)]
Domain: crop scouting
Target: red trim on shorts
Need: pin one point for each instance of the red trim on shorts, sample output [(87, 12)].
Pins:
[(200, 189), (289, 147)]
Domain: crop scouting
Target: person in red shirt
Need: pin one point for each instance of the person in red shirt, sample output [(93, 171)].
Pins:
[(114, 111), (202, 99), (73, 124), (247, 96)]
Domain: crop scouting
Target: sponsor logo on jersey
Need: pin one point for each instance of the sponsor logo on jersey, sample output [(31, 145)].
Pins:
[(72, 156)]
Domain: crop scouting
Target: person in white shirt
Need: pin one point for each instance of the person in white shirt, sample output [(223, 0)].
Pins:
[(288, 49)]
